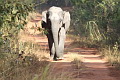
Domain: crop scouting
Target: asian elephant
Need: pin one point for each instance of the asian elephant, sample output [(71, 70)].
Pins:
[(56, 22)]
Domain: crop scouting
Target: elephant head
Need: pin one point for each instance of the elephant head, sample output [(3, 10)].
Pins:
[(56, 18)]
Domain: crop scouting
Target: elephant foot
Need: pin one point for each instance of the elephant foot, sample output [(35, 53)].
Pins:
[(55, 58), (60, 58), (52, 58)]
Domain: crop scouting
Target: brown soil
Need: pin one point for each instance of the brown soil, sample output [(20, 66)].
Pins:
[(95, 68)]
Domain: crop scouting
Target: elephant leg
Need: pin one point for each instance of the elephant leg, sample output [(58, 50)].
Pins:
[(62, 37), (53, 55), (51, 45)]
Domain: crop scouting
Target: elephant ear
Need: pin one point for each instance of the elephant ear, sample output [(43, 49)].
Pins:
[(44, 16), (66, 20)]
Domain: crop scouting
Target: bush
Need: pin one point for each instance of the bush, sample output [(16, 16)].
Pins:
[(13, 15), (96, 19), (98, 22)]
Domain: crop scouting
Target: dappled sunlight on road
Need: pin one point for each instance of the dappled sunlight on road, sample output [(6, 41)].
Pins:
[(93, 67)]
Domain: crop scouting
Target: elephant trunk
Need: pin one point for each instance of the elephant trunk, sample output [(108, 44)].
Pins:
[(55, 26)]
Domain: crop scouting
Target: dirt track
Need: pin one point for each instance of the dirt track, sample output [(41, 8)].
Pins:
[(95, 68)]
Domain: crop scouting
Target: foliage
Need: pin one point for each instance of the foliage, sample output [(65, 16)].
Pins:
[(13, 18), (13, 15), (97, 23), (112, 54), (96, 19)]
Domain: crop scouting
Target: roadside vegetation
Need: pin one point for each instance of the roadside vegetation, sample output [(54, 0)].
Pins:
[(17, 61), (96, 22), (20, 57)]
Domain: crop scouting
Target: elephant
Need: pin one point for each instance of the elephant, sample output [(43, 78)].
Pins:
[(56, 22)]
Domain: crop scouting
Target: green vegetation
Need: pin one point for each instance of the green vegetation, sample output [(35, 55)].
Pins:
[(21, 60), (13, 15), (13, 18), (96, 22)]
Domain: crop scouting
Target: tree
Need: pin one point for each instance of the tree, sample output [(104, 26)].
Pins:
[(13, 15), (97, 19)]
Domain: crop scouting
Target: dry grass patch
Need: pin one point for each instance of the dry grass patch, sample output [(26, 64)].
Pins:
[(33, 23), (112, 56), (72, 56), (47, 74), (33, 16), (76, 59)]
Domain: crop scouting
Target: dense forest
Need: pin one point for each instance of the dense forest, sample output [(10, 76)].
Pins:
[(95, 22)]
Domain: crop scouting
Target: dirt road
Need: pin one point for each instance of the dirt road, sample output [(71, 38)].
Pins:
[(95, 68)]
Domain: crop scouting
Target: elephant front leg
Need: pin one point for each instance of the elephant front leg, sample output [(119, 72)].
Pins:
[(53, 53), (51, 46), (62, 37)]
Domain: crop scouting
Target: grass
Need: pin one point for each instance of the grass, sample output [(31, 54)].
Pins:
[(29, 63), (23, 66), (109, 52), (108, 48), (32, 16), (76, 59), (83, 42), (33, 23), (47, 74), (26, 59), (112, 55)]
